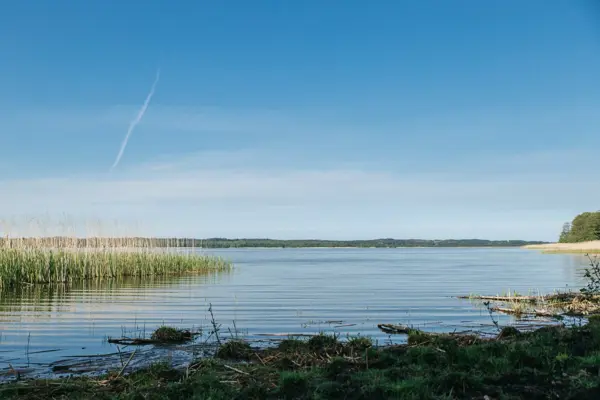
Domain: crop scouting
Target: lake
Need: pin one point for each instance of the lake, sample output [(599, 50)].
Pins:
[(278, 291)]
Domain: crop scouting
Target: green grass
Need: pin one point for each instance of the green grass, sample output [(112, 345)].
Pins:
[(35, 265), (322, 342), (359, 342), (549, 363)]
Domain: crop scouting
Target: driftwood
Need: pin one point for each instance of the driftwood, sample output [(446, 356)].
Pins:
[(537, 313), (394, 329), (15, 371), (544, 313), (503, 298)]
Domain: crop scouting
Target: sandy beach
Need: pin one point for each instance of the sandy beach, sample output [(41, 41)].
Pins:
[(583, 247)]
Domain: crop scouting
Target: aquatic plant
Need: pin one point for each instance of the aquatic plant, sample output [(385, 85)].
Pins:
[(31, 265), (166, 334)]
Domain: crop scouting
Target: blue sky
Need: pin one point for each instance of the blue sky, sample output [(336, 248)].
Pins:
[(353, 119)]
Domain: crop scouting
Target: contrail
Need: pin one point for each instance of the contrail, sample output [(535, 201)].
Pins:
[(136, 120)]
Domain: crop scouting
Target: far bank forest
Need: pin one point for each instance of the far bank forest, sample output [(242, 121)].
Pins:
[(584, 228)]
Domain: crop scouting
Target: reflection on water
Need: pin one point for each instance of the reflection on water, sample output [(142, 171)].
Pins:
[(36, 302), (43, 323), (573, 266), (278, 291)]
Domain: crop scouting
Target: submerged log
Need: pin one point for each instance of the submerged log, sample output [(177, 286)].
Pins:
[(394, 329), (131, 342), (555, 297), (508, 310)]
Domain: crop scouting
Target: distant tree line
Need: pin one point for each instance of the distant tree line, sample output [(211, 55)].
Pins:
[(227, 243), (583, 228), (239, 243)]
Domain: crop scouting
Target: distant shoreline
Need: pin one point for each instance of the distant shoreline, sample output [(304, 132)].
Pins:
[(366, 247), (218, 243)]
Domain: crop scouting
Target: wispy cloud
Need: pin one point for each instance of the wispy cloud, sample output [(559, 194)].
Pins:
[(249, 180), (136, 120)]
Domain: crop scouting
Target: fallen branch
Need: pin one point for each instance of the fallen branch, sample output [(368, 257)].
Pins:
[(126, 364), (259, 358), (239, 371)]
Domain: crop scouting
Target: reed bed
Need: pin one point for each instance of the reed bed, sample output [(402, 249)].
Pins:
[(24, 263)]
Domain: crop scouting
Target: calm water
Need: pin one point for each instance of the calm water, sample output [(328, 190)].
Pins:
[(281, 291)]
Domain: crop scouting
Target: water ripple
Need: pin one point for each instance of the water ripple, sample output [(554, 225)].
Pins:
[(280, 291)]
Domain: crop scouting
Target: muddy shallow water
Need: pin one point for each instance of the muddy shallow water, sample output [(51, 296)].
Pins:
[(270, 293)]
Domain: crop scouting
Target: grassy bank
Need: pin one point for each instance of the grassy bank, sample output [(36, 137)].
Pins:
[(38, 265), (555, 362)]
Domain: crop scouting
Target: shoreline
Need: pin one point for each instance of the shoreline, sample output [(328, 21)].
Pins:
[(429, 365)]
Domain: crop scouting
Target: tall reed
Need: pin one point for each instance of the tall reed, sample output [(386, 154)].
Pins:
[(36, 260)]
